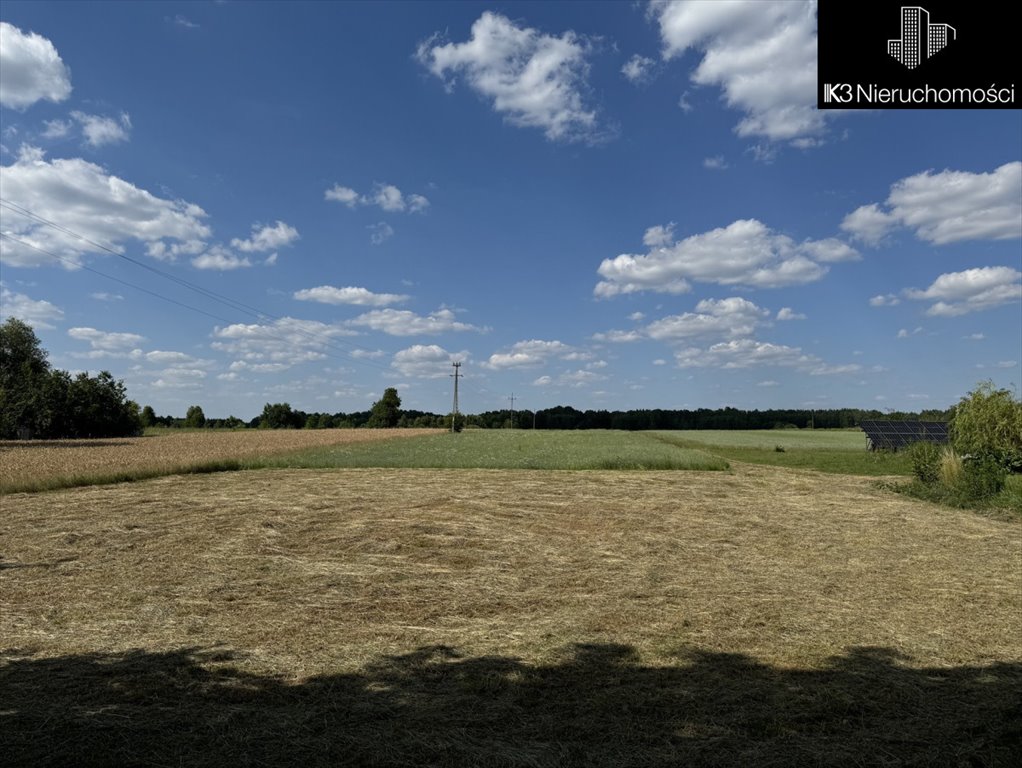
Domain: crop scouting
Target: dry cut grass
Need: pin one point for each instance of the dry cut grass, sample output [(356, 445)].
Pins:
[(27, 465), (512, 618)]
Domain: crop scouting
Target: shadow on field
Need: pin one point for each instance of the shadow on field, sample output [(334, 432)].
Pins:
[(598, 707)]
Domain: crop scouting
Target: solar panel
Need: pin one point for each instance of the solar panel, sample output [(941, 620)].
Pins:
[(892, 435)]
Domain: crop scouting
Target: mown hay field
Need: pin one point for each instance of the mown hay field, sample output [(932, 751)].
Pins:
[(39, 464), (401, 617)]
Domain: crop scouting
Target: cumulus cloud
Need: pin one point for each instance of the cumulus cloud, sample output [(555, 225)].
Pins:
[(715, 163), (761, 53), (426, 361), (638, 69), (787, 313), (385, 196), (402, 322), (972, 290), (725, 318), (99, 130), (830, 251), (30, 69), (103, 341), (276, 346), (535, 80), (575, 379), (380, 232), (946, 207), (328, 294), (529, 354), (345, 195), (84, 198), (220, 259), (884, 300), (36, 312), (746, 253), (267, 238), (750, 353)]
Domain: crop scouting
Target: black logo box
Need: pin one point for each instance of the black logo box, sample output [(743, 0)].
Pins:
[(853, 50)]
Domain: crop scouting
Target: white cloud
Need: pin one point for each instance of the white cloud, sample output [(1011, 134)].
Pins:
[(787, 313), (972, 290), (762, 54), (220, 259), (638, 69), (724, 318), (57, 129), (345, 195), (946, 207), (529, 354), (683, 103), (659, 236), (535, 80), (543, 381), (107, 296), (183, 21), (267, 238), (84, 198), (402, 322), (905, 333), (975, 336), (386, 196), (30, 69), (380, 232), (328, 294), (637, 317), (37, 313), (276, 346), (619, 337), (768, 383), (426, 361), (715, 163), (99, 130), (745, 252), (659, 361), (830, 251), (1005, 364), (884, 300), (750, 353), (104, 341)]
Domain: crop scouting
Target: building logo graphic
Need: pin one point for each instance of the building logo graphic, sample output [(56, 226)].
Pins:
[(919, 38)]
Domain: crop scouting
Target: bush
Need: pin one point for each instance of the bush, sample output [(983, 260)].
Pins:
[(981, 479), (925, 458), (987, 424)]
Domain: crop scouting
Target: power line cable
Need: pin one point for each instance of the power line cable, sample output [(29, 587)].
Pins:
[(213, 295), (268, 330)]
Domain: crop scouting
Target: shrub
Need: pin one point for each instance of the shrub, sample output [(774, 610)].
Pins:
[(981, 479), (987, 423), (925, 458)]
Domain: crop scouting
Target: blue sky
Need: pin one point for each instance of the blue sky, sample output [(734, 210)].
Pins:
[(607, 205)]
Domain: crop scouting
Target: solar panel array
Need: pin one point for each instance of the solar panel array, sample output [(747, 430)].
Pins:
[(892, 435)]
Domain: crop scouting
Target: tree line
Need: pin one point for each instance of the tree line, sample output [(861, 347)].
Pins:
[(38, 401)]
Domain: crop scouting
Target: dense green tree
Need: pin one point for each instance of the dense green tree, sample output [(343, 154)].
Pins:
[(195, 417), (281, 416), (24, 371), (148, 416), (386, 412)]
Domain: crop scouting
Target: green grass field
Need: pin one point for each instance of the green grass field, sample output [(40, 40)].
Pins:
[(827, 450), (508, 449)]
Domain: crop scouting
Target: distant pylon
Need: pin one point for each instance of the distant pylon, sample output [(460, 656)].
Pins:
[(454, 412)]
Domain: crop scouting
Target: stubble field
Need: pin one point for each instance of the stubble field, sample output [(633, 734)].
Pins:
[(28, 465), (507, 617)]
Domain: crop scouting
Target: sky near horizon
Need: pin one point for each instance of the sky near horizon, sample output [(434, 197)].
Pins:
[(603, 205)]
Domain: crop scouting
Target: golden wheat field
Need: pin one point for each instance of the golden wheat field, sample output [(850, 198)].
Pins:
[(401, 617), (24, 462)]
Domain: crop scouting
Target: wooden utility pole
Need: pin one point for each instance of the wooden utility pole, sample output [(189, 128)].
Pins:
[(512, 399), (454, 413)]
